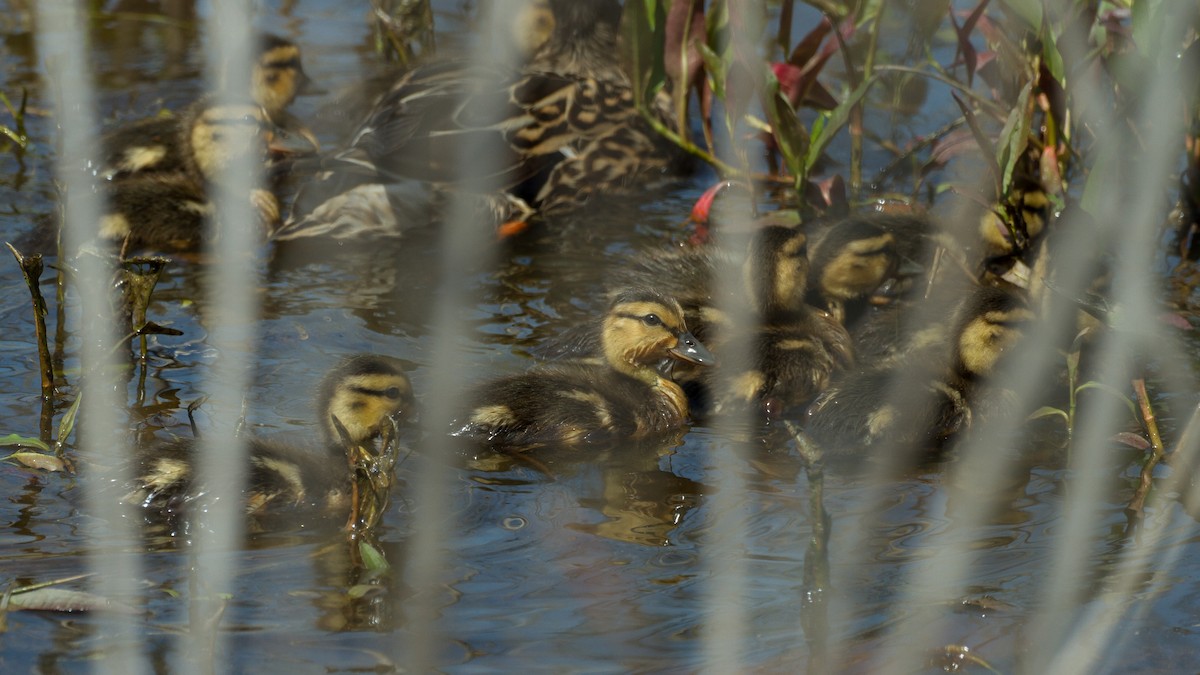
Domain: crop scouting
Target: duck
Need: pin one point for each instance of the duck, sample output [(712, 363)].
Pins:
[(167, 211), (625, 393), (557, 131), (933, 391), (794, 348), (164, 144), (359, 401)]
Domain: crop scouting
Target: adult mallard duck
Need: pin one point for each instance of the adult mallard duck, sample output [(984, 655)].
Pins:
[(541, 138), (358, 400), (628, 393)]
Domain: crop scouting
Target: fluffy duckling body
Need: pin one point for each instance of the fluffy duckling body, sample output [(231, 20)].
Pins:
[(933, 390), (791, 350), (548, 136), (628, 395), (357, 401), (168, 210), (851, 259), (166, 144)]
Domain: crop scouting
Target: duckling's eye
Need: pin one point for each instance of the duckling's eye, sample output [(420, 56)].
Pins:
[(392, 393), (652, 320)]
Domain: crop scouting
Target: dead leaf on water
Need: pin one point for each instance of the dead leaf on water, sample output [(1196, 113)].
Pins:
[(63, 600), (38, 460)]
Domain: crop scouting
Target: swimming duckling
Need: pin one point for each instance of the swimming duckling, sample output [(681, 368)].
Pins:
[(358, 401), (166, 144), (548, 135), (629, 394), (852, 258), (791, 349), (931, 392), (277, 79), (167, 211)]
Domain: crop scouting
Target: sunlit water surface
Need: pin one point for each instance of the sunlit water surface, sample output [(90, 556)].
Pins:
[(600, 566)]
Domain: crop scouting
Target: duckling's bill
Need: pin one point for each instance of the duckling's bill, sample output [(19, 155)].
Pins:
[(691, 350)]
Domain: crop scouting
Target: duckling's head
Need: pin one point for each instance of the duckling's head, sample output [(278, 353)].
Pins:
[(532, 27), (776, 269), (573, 37), (278, 75), (219, 132), (361, 395), (1009, 228), (991, 323), (644, 330), (853, 260)]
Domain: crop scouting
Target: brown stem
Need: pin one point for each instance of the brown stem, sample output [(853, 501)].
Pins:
[(31, 268), (1134, 510)]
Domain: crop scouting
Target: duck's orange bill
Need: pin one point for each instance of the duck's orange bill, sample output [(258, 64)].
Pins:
[(511, 229)]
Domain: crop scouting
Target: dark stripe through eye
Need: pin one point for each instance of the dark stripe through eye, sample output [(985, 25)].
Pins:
[(293, 63)]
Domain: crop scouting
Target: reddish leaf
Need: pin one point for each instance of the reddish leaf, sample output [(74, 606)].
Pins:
[(1175, 320), (965, 48), (702, 209), (1135, 441), (952, 145), (807, 47)]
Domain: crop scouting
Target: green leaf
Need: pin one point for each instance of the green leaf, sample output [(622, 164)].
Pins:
[(373, 559), (67, 424), (1111, 390), (1052, 58), (1047, 411), (651, 6), (1029, 10), (838, 117), (23, 442), (715, 66), (789, 133), (1015, 136)]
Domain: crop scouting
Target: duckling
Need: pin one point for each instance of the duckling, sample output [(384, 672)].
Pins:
[(931, 392), (277, 79), (167, 211), (165, 144), (852, 258), (557, 131), (793, 348), (358, 401), (629, 394)]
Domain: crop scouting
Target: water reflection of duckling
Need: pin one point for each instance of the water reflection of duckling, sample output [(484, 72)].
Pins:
[(168, 210), (358, 400), (930, 392), (545, 137), (629, 394)]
